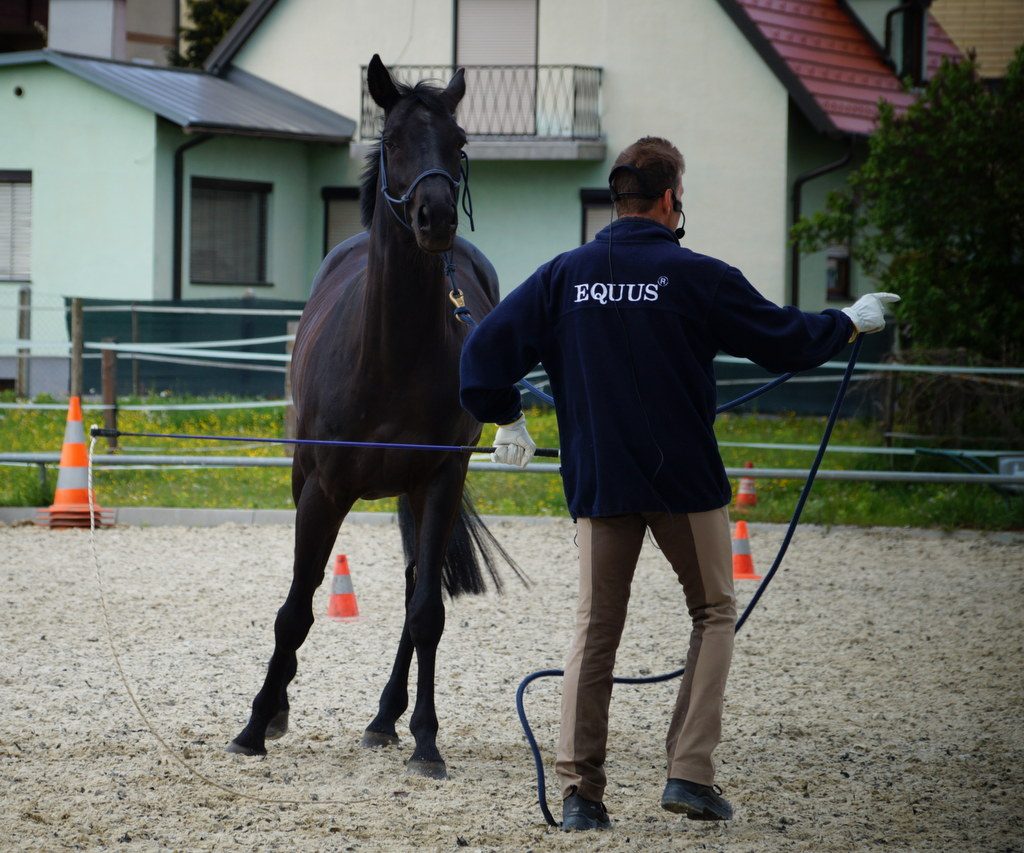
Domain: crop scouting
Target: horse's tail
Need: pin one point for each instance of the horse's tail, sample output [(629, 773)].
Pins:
[(470, 544)]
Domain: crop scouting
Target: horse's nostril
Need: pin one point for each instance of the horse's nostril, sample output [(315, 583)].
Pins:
[(423, 217)]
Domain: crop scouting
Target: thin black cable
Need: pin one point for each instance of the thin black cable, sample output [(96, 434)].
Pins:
[(668, 676)]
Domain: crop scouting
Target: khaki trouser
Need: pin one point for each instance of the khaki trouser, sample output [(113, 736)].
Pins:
[(698, 547)]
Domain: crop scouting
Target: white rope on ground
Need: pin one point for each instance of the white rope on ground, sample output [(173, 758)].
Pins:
[(314, 800)]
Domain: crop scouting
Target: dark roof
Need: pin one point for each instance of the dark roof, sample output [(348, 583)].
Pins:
[(238, 104), (831, 66), (220, 57)]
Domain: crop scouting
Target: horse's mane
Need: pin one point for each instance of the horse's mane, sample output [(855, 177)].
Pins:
[(424, 94)]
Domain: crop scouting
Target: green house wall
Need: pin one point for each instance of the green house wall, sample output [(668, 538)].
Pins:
[(810, 150), (93, 161)]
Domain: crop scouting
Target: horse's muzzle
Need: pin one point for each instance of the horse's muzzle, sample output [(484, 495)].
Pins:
[(434, 219)]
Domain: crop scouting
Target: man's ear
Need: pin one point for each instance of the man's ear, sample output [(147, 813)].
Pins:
[(382, 87), (456, 89)]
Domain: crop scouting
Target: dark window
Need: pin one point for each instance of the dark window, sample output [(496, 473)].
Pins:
[(228, 232), (342, 216), (837, 274), (596, 207), (906, 35), (15, 225)]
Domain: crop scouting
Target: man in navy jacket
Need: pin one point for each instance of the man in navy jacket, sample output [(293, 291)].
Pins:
[(627, 327)]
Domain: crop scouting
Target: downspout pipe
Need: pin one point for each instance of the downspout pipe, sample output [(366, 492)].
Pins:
[(179, 206), (798, 186)]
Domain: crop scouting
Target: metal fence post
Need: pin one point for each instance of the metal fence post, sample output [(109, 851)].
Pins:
[(289, 413), (76, 347), (135, 361), (21, 382), (109, 382)]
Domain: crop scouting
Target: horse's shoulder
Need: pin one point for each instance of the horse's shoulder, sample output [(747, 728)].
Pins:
[(483, 269), (353, 248)]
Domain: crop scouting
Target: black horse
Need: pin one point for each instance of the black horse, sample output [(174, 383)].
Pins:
[(376, 358)]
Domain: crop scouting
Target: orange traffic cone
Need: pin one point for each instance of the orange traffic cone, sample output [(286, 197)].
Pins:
[(342, 605), (742, 561), (70, 506), (746, 495)]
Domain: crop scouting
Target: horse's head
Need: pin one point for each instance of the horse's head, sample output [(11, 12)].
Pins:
[(421, 148)]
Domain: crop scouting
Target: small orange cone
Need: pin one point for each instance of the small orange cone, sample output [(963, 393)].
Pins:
[(742, 561), (70, 506), (342, 606), (746, 495)]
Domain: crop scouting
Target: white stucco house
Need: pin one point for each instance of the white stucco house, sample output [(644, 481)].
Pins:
[(128, 170)]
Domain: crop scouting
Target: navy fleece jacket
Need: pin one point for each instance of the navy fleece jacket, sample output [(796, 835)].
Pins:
[(629, 354)]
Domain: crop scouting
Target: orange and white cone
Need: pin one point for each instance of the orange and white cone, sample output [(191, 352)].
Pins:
[(746, 495), (742, 561), (342, 607), (70, 506)]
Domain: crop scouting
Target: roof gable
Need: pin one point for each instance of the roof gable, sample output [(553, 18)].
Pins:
[(829, 64), (220, 57), (239, 103)]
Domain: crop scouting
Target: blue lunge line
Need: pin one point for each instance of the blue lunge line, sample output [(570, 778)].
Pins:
[(654, 679)]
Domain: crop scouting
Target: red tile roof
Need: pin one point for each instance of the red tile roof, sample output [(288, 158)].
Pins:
[(832, 68)]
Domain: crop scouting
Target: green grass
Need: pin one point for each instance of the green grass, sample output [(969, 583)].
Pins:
[(889, 504)]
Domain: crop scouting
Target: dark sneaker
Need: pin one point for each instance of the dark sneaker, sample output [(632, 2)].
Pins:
[(580, 813), (697, 802)]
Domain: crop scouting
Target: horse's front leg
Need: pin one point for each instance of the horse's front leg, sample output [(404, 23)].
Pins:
[(394, 699), (317, 520), (436, 508)]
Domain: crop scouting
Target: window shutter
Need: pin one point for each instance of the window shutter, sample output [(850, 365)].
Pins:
[(343, 220), (497, 32), (228, 243), (15, 230), (595, 217)]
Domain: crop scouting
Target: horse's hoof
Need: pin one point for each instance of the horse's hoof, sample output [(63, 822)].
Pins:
[(374, 740), (277, 727), (427, 769), (240, 749)]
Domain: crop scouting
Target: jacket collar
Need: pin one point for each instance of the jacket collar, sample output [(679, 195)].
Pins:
[(635, 229)]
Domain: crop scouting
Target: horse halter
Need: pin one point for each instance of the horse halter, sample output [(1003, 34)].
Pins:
[(456, 296), (406, 197)]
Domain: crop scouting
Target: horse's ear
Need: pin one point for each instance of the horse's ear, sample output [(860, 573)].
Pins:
[(382, 87), (456, 89)]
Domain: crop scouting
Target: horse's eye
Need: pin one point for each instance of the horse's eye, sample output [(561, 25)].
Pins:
[(389, 145)]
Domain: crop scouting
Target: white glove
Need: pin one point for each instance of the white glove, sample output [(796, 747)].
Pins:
[(513, 445), (868, 312)]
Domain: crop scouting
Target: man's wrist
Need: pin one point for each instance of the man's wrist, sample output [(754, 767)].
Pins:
[(514, 420)]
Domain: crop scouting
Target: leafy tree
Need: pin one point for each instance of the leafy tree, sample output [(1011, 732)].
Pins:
[(211, 19), (936, 214)]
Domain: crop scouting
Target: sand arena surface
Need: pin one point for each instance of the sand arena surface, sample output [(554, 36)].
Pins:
[(875, 697)]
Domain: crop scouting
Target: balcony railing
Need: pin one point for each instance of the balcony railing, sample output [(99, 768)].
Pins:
[(510, 102)]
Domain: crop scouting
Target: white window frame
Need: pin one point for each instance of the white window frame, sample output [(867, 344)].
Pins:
[(15, 225)]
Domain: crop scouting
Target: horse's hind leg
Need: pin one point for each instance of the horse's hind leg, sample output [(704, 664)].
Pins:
[(317, 520), (394, 699)]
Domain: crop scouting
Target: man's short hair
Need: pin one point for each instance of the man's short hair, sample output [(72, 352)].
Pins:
[(661, 165)]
